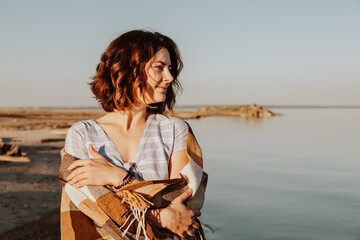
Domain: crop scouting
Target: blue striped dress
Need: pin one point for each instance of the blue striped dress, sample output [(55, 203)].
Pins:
[(162, 136)]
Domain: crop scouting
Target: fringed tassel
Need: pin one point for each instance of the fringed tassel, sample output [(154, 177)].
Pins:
[(138, 206)]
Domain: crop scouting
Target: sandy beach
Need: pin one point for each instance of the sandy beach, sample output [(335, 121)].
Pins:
[(30, 191)]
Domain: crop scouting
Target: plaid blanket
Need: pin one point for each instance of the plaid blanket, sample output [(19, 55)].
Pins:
[(96, 212)]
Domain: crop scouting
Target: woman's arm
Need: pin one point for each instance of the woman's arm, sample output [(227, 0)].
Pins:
[(177, 162), (179, 157), (97, 171), (176, 216)]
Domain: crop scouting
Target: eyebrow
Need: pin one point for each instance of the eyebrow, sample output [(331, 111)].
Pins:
[(162, 63)]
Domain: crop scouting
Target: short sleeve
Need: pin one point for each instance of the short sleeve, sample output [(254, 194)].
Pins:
[(180, 135), (75, 142)]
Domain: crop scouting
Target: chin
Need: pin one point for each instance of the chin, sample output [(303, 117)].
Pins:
[(160, 99)]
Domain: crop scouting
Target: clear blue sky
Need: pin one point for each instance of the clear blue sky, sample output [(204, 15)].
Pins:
[(288, 52)]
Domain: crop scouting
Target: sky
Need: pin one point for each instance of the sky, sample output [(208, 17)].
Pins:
[(269, 52)]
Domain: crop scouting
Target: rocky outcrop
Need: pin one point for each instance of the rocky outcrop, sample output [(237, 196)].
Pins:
[(246, 111)]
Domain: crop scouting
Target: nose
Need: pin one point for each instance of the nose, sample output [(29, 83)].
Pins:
[(167, 76)]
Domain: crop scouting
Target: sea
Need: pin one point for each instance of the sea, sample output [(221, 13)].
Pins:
[(290, 177)]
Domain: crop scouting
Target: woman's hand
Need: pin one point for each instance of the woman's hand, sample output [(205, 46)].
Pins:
[(178, 218), (97, 171)]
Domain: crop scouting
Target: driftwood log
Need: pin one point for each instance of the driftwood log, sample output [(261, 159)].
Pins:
[(12, 153)]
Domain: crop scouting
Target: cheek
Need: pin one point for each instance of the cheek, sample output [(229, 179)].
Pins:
[(150, 84), (150, 90), (152, 80)]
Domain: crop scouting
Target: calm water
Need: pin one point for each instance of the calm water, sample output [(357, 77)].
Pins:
[(290, 177)]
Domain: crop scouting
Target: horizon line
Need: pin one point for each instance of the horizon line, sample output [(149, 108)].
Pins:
[(186, 106)]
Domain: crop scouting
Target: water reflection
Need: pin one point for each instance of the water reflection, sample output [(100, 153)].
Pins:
[(290, 177)]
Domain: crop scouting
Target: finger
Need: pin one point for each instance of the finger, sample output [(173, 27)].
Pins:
[(195, 225), (190, 232), (76, 172), (101, 160), (78, 163), (185, 195), (182, 236), (78, 178), (81, 183), (93, 152)]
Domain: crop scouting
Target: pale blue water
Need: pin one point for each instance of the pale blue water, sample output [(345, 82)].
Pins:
[(290, 177)]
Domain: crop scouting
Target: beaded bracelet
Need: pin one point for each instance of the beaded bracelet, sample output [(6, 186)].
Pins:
[(127, 179)]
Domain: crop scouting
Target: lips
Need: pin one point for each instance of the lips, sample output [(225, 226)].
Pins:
[(163, 89)]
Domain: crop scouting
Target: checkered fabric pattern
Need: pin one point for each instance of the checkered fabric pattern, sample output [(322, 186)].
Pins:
[(95, 212)]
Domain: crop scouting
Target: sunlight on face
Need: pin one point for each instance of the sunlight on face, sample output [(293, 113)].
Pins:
[(158, 77)]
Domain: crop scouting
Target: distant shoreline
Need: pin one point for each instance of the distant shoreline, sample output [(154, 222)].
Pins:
[(305, 106), (185, 107), (269, 106)]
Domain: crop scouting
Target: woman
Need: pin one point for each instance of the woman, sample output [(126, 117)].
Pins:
[(135, 83)]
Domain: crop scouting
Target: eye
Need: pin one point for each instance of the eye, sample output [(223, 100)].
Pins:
[(170, 68), (160, 67)]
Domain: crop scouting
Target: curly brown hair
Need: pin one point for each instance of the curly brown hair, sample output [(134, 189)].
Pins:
[(121, 71)]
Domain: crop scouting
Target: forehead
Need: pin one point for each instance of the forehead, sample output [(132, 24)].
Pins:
[(162, 56)]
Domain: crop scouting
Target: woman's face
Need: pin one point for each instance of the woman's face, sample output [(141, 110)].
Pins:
[(158, 77)]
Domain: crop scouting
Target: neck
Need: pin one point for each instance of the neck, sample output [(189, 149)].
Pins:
[(127, 119)]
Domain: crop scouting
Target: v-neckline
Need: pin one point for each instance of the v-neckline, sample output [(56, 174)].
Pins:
[(117, 150)]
